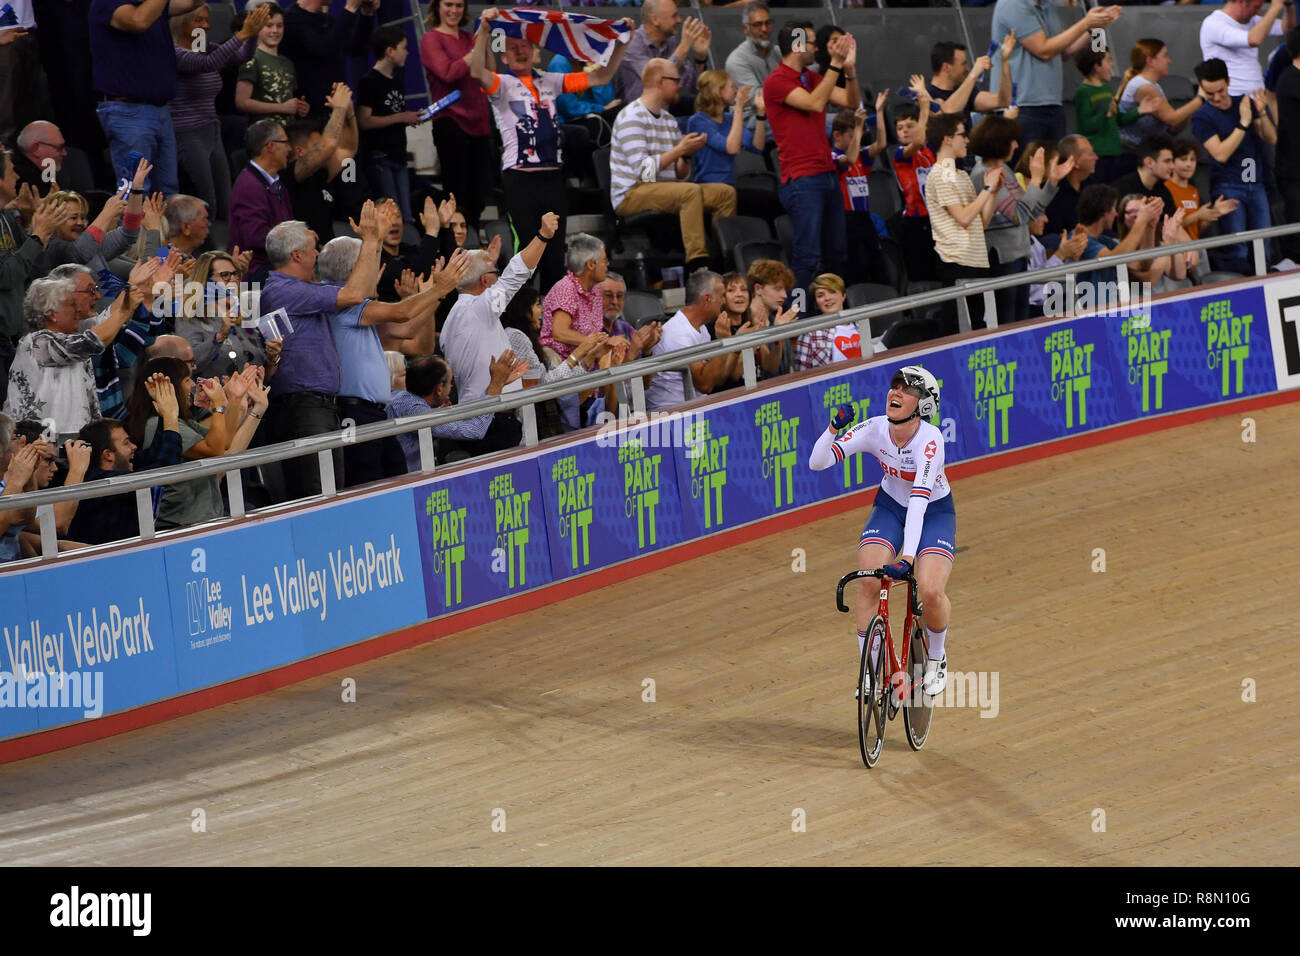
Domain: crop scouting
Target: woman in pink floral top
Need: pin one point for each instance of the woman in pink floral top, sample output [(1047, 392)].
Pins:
[(462, 132), (575, 306)]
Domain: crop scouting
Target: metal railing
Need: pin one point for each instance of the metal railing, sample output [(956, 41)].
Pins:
[(632, 372)]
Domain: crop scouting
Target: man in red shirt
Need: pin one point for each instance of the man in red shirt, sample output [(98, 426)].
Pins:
[(796, 99)]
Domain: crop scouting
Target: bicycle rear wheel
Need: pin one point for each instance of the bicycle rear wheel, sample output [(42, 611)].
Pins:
[(917, 709), (872, 691)]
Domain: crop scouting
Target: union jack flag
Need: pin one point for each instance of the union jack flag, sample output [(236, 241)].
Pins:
[(575, 35)]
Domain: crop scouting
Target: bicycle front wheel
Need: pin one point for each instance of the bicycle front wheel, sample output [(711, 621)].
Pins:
[(917, 709), (872, 695)]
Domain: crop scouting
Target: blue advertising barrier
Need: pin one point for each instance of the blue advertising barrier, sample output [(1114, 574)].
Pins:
[(163, 619)]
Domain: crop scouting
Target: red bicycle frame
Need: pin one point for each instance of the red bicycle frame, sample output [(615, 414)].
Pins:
[(901, 683)]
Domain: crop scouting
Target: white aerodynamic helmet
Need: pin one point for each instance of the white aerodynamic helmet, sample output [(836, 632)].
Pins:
[(915, 377)]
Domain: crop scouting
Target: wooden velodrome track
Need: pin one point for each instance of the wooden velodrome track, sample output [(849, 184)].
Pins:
[(1119, 691)]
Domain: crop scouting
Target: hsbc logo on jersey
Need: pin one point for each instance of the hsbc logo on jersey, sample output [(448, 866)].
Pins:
[(930, 449)]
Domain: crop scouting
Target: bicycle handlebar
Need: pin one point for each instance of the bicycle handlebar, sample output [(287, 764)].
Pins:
[(908, 578)]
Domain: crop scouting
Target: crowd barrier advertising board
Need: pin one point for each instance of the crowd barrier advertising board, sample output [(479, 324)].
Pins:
[(160, 620)]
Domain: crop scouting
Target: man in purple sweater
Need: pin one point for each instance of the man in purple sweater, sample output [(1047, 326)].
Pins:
[(258, 200)]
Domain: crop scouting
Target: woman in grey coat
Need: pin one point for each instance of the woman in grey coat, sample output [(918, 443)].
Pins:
[(995, 141)]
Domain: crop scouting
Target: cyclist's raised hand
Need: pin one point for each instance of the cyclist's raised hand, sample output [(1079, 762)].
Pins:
[(843, 417), (899, 569)]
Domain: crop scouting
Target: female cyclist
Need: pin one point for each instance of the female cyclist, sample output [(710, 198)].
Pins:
[(913, 516)]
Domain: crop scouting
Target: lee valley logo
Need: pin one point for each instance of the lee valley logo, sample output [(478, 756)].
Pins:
[(131, 910)]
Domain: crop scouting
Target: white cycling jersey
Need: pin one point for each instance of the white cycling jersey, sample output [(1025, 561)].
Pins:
[(913, 473)]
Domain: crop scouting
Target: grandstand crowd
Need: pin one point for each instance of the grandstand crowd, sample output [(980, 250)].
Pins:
[(209, 242)]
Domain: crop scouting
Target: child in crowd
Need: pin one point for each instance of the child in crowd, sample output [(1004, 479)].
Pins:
[(854, 162), (1097, 114), (912, 162)]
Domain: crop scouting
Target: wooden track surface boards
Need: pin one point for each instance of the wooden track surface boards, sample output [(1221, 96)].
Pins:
[(1119, 691)]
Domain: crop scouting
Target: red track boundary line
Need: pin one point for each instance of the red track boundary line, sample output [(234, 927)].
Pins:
[(41, 742)]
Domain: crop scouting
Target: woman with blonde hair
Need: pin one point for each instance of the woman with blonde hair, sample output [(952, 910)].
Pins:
[(1149, 63), (726, 132), (213, 322)]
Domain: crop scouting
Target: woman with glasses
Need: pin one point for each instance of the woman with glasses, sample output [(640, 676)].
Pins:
[(96, 243), (213, 323)]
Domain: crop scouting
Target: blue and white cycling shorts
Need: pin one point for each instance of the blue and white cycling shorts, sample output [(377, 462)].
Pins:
[(938, 532)]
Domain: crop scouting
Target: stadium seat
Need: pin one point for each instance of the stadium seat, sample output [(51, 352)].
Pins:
[(785, 234), (895, 262), (75, 172), (218, 234), (1178, 89), (733, 230), (884, 196), (1219, 275), (642, 307), (868, 293), (910, 332), (500, 227), (657, 226), (756, 196), (751, 250)]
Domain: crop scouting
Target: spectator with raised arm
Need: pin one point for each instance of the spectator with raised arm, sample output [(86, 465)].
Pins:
[(1234, 131), (238, 407), (473, 335), (200, 151), (995, 141), (318, 156), (912, 163), (959, 213), (656, 39), (20, 256), (725, 132), (97, 244), (258, 200), (135, 74), (1234, 33), (361, 333), (1097, 213), (114, 517), (1140, 91), (523, 101), (462, 132), (853, 162), (796, 100), (650, 163), (305, 388), (953, 80), (1036, 71), (52, 376), (268, 82), (319, 44), (756, 56)]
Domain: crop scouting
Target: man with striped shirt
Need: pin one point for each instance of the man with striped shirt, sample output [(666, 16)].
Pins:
[(650, 165), (958, 214)]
